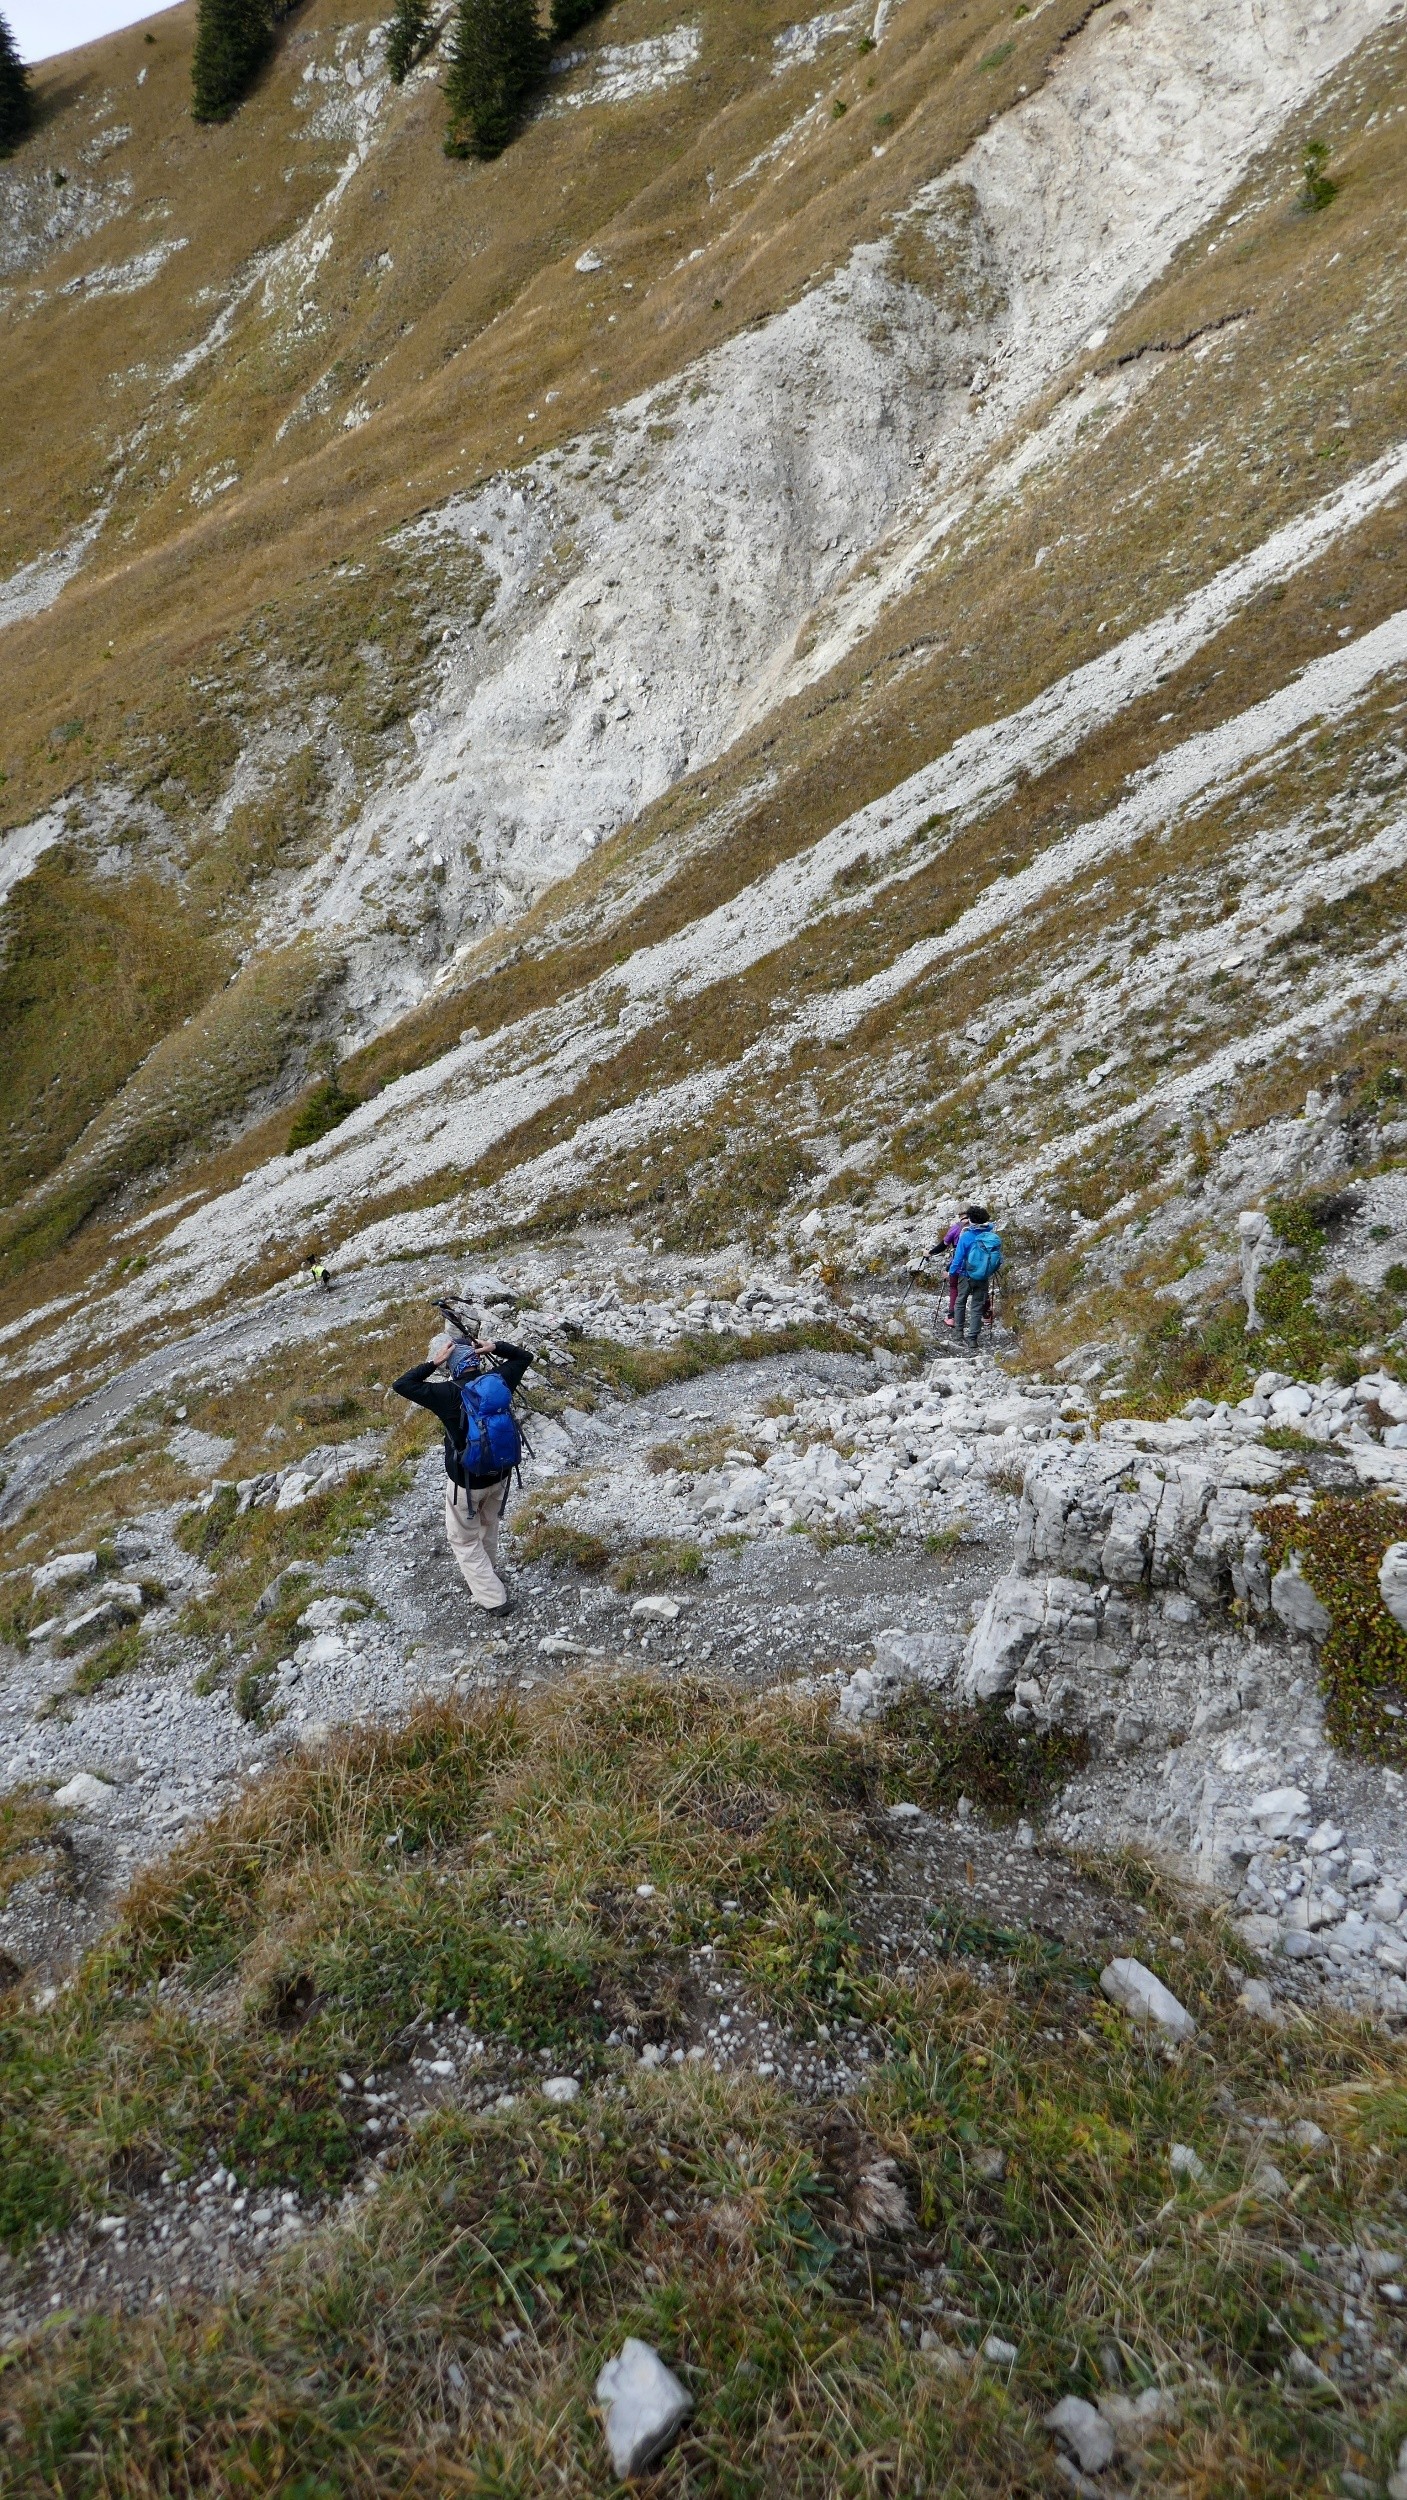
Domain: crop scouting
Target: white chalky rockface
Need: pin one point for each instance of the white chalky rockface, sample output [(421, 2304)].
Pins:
[(793, 448)]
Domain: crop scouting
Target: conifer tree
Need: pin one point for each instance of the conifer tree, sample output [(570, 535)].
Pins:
[(16, 95), (498, 54), (233, 39), (568, 15), (409, 37)]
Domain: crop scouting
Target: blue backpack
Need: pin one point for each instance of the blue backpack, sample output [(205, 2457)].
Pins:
[(983, 1255), (493, 1445)]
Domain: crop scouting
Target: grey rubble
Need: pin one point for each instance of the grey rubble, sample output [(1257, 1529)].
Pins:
[(1097, 1600)]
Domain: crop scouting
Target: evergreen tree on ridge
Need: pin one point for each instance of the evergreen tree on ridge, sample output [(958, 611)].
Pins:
[(16, 94), (233, 39), (409, 39), (497, 55)]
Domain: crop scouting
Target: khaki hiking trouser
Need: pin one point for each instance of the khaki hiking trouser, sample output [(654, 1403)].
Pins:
[(471, 1526)]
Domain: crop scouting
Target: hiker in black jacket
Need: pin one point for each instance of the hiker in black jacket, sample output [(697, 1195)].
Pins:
[(473, 1510)]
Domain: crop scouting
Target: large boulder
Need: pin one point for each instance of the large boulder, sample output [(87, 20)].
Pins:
[(1018, 1615), (1147, 1506), (64, 1571)]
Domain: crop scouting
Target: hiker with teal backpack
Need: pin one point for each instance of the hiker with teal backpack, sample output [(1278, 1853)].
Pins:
[(472, 1402), (976, 1265)]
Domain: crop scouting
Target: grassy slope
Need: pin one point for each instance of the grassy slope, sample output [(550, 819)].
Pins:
[(1222, 440), (372, 2358), (190, 620)]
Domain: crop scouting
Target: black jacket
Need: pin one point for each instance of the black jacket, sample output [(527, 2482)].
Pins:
[(441, 1399)]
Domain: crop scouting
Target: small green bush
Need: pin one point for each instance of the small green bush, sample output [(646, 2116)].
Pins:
[(1318, 190), (328, 1105), (116, 1658), (1296, 1222), (1363, 1662), (564, 1548), (936, 1754)]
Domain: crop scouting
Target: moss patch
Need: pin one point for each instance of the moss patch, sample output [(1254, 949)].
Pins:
[(1363, 1660)]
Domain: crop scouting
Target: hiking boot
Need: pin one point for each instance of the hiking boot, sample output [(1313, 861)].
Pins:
[(497, 1613)]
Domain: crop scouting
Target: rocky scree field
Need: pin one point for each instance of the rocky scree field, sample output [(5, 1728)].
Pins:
[(623, 729)]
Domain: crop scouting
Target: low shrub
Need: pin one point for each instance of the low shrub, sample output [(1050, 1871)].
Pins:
[(1363, 1660), (325, 1108), (936, 1753), (563, 1547)]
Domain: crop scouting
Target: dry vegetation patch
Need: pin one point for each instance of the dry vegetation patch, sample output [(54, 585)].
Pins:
[(1001, 2168)]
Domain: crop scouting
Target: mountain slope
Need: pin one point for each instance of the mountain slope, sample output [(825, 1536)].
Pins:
[(783, 774)]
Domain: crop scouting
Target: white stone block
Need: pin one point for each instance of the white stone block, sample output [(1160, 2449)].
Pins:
[(644, 2406), (1141, 1995)]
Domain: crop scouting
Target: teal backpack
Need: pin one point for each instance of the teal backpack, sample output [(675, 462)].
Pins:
[(983, 1255)]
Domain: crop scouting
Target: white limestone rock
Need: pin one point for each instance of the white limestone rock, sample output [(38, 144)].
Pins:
[(1009, 1625), (1256, 1242), (1134, 2420), (1138, 1510), (1081, 2427), (1392, 1583), (1142, 1996), (926, 1656), (1279, 1811), (1256, 2000), (644, 2406), (868, 1694), (63, 1571), (325, 1613), (1018, 1613), (1294, 1603), (83, 1793), (120, 1604)]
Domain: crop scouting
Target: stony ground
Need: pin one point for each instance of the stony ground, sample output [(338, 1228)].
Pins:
[(883, 1527), (850, 1519), (168, 1755)]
